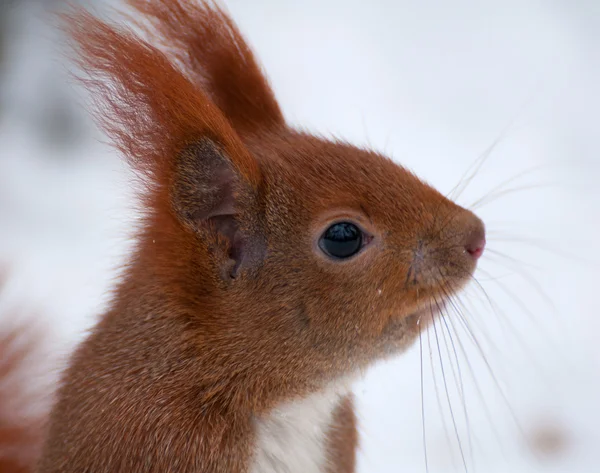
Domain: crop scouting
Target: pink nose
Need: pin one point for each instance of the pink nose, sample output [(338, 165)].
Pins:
[(476, 242)]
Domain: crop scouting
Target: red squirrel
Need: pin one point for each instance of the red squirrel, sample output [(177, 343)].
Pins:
[(271, 268)]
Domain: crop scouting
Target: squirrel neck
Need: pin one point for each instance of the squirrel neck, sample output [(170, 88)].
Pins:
[(187, 324)]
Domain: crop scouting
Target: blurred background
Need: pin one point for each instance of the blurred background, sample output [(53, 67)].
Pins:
[(504, 96)]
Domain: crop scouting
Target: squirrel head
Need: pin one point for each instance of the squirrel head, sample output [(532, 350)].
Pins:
[(295, 260)]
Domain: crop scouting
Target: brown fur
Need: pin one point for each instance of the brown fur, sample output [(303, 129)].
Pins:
[(21, 434), (343, 438), (228, 308)]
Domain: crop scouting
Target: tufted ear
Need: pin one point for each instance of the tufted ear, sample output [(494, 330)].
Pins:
[(173, 135), (212, 50), (211, 196)]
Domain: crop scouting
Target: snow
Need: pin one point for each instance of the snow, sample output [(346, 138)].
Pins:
[(433, 84)]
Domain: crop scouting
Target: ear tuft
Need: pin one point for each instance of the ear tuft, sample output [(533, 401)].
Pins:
[(211, 49), (154, 101), (146, 103)]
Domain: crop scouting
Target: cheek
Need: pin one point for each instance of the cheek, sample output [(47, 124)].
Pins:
[(340, 314), (391, 307), (356, 316)]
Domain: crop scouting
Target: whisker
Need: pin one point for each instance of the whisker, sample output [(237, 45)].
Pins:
[(526, 276), (545, 246), (437, 395), (491, 197), (462, 184), (541, 327), (475, 380), (488, 299), (458, 381), (530, 354), (477, 322), (494, 378), (423, 398), (499, 254), (460, 447), (495, 278), (477, 165), (510, 180)]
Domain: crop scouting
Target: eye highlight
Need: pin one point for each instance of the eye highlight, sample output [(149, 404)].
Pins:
[(341, 240)]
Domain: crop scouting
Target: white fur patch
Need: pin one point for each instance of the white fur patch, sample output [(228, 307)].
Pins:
[(292, 438)]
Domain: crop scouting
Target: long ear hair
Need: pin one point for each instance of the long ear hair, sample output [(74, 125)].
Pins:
[(204, 39), (177, 110), (153, 104)]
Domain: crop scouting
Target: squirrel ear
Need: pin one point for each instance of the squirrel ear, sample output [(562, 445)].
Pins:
[(208, 194), (212, 50), (153, 110)]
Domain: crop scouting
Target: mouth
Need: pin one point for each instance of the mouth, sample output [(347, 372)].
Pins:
[(424, 316), (401, 332)]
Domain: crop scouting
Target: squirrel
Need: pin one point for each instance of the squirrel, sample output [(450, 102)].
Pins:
[(272, 266)]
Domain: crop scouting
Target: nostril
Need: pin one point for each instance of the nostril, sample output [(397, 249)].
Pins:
[(476, 243)]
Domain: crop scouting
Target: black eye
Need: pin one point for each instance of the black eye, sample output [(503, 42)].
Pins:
[(341, 240)]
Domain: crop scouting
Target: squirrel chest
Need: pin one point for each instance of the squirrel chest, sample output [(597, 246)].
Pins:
[(294, 436)]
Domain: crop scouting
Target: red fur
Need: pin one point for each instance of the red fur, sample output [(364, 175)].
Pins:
[(145, 103), (206, 42), (21, 434)]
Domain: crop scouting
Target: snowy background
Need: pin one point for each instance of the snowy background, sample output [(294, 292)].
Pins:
[(432, 83)]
